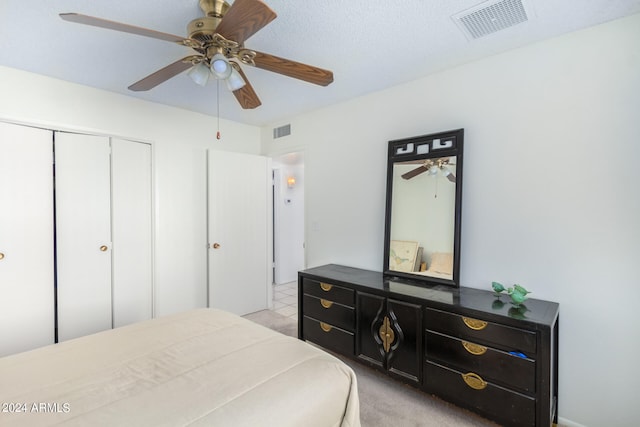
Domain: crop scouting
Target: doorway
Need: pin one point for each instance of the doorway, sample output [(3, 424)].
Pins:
[(288, 230)]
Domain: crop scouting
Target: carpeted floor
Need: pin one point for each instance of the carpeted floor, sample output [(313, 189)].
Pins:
[(383, 401)]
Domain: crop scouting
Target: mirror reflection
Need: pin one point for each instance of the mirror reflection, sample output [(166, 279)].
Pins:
[(424, 194), (422, 219)]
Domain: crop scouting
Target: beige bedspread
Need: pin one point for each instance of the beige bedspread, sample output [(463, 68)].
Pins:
[(202, 367)]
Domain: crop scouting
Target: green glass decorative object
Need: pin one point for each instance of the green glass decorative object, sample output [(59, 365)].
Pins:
[(517, 297), (497, 287), (517, 293)]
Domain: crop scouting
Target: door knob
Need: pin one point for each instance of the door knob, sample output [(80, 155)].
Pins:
[(104, 248), (1, 255), (215, 245)]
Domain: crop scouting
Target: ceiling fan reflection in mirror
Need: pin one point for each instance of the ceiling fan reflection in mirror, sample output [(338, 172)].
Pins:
[(217, 40), (433, 166)]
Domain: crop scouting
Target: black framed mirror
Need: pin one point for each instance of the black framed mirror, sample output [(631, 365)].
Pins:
[(423, 212)]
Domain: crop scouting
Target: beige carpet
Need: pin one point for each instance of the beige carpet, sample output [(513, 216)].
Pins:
[(383, 401)]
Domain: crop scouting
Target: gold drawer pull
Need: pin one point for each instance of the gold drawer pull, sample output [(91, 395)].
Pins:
[(474, 381), (326, 287), (475, 324), (474, 349), (325, 327), (325, 303)]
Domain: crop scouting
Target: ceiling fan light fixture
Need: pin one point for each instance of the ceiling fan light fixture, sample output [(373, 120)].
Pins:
[(199, 73), (235, 80), (220, 66)]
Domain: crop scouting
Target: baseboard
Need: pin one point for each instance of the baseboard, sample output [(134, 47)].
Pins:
[(563, 422)]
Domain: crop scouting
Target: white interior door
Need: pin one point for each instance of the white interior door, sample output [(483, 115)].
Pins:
[(239, 231), (26, 238), (131, 229), (83, 234)]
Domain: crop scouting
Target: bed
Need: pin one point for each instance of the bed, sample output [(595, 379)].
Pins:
[(202, 367)]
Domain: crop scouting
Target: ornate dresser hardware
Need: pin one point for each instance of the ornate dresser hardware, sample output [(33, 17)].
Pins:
[(450, 342), (474, 381), (329, 318), (475, 324), (325, 327), (325, 287), (325, 303), (386, 334), (475, 349)]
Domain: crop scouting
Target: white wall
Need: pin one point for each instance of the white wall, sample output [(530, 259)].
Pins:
[(550, 197), (288, 210), (179, 140)]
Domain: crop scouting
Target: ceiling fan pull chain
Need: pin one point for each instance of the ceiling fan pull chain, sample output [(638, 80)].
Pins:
[(218, 136)]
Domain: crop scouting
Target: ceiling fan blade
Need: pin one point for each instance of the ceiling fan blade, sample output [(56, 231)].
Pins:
[(162, 75), (246, 96), (117, 26), (293, 69), (415, 172), (451, 177), (245, 18)]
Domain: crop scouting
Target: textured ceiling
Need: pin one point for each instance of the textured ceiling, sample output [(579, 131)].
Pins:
[(369, 46)]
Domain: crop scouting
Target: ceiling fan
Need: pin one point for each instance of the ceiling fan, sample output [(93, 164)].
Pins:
[(217, 40), (433, 166)]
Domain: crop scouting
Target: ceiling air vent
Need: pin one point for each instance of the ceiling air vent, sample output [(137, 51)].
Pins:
[(489, 17), (281, 131)]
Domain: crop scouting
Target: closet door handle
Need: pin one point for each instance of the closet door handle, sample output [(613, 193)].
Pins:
[(215, 245), (104, 248), (1, 256)]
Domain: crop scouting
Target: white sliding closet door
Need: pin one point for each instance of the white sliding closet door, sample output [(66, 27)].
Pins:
[(132, 232), (239, 227), (83, 234), (26, 238)]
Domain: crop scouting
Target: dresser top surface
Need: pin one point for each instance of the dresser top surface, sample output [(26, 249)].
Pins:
[(534, 311)]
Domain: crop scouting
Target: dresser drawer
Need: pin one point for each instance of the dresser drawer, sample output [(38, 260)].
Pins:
[(478, 331), (328, 291), (329, 312), (500, 404), (328, 336), (491, 364)]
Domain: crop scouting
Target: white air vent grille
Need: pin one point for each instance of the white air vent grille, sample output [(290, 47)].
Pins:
[(281, 131), (492, 16)]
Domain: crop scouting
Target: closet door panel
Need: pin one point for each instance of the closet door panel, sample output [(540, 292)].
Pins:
[(26, 239), (181, 229), (132, 232), (239, 231), (83, 234)]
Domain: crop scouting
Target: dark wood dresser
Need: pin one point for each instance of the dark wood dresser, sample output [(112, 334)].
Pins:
[(464, 345)]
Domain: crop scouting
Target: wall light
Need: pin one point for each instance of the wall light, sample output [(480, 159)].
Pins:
[(291, 181)]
